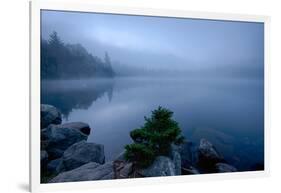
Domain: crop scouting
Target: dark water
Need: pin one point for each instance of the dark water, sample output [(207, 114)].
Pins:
[(228, 112)]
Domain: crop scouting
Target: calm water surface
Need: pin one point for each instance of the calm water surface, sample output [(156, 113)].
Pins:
[(228, 112)]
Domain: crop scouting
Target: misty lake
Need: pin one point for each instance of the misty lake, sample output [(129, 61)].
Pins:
[(228, 112)]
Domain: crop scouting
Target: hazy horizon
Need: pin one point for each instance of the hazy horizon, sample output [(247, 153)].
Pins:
[(162, 43)]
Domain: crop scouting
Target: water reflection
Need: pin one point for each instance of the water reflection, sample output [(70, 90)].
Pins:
[(227, 112), (68, 95)]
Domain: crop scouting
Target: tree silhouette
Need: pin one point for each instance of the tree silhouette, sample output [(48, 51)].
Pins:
[(67, 61)]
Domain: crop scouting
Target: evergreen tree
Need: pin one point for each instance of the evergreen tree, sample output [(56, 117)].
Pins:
[(64, 61), (107, 59), (55, 41), (155, 138)]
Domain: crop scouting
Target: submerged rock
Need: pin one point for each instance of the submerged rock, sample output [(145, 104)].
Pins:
[(162, 166), (60, 137), (82, 153), (207, 154), (49, 115), (87, 172), (221, 140), (223, 167), (190, 170)]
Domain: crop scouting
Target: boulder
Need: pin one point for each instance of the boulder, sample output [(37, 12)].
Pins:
[(49, 115), (222, 141), (55, 166), (162, 166), (223, 167), (60, 137), (176, 158), (122, 169), (43, 158), (87, 172), (207, 154), (83, 127), (82, 153), (126, 170)]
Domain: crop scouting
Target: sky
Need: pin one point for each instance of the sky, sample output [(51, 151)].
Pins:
[(162, 42)]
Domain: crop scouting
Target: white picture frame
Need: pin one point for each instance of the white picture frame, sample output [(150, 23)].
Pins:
[(36, 6)]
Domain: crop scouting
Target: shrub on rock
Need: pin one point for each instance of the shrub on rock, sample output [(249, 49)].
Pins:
[(154, 139)]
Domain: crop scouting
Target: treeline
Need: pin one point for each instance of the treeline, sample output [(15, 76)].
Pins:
[(71, 61)]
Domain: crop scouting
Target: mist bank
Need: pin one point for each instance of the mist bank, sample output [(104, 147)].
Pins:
[(240, 70), (60, 60)]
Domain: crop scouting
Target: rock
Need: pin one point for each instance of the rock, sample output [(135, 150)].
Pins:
[(43, 157), (190, 171), (176, 158), (82, 153), (207, 154), (43, 140), (108, 176), (83, 127), (55, 166), (49, 115), (223, 167), (87, 172), (126, 170), (187, 155), (44, 144), (60, 137), (162, 166), (222, 141)]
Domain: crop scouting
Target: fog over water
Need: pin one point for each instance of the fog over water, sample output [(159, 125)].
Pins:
[(204, 47), (209, 73)]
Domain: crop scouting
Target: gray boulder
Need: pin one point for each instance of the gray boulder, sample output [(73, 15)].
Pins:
[(49, 115), (162, 166), (223, 167), (87, 172), (176, 159), (82, 153), (55, 166), (207, 153), (83, 127), (60, 137)]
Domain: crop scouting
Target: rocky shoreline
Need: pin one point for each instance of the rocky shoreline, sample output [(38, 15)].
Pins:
[(66, 156)]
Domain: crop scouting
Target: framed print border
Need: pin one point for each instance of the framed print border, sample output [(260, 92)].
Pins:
[(36, 6)]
